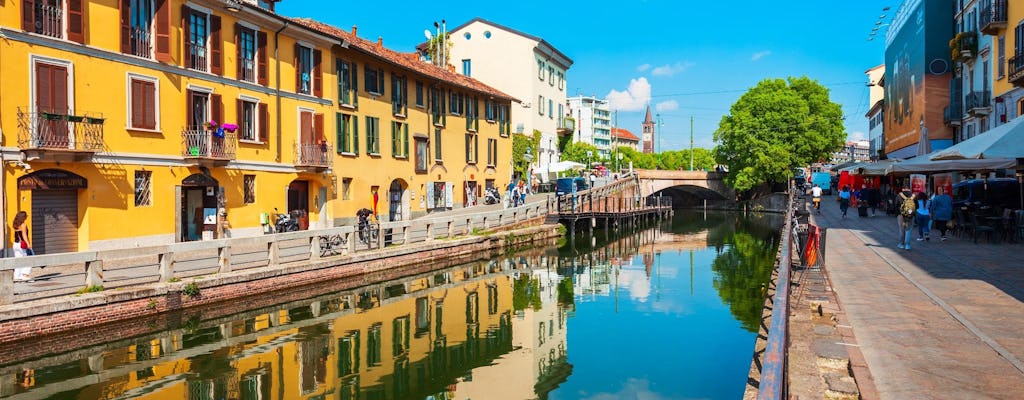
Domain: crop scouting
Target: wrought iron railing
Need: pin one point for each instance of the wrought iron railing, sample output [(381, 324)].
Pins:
[(952, 114), (1016, 66), (313, 154), (196, 56), (60, 131), (139, 39), (208, 143), (49, 19), (248, 70), (566, 124), (993, 17), (978, 100)]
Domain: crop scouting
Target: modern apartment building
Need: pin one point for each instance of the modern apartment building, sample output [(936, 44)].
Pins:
[(138, 122), (594, 123), (876, 114), (526, 67)]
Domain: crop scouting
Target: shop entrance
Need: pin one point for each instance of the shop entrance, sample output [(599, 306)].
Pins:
[(396, 201), (298, 202), (197, 208), (54, 211)]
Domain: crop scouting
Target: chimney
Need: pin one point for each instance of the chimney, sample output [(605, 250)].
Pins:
[(354, 28), (380, 42)]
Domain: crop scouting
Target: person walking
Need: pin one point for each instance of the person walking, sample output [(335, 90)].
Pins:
[(844, 199), (942, 211), (922, 217), (905, 218), (22, 244), (816, 195)]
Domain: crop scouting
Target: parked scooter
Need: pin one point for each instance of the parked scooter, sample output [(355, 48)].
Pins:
[(284, 222), (492, 196)]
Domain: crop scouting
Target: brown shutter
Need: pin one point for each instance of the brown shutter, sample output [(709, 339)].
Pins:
[(262, 72), (44, 88), (163, 31), (149, 109), (264, 123), (318, 127), (137, 116), (217, 109), (298, 71), (28, 17), (306, 127), (126, 26), (60, 89), (239, 116), (238, 51), (317, 75), (188, 110), (186, 33), (76, 22), (216, 55)]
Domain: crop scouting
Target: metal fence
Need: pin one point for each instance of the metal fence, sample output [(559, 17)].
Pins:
[(773, 367), (60, 130)]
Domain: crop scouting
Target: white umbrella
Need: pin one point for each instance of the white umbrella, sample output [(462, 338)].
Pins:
[(924, 164), (1004, 141)]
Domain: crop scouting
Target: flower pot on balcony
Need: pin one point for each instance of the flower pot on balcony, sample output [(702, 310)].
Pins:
[(193, 151), (74, 118), (51, 116), (94, 120)]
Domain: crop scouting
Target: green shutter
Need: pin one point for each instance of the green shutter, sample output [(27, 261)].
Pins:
[(355, 134), (355, 87), (405, 140), (394, 140), (339, 135)]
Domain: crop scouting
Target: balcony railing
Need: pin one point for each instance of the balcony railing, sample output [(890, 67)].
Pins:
[(203, 143), (139, 39), (566, 126), (248, 70), (964, 46), (49, 19), (993, 18), (979, 102), (196, 56), (313, 155), (60, 131), (952, 114), (1016, 64)]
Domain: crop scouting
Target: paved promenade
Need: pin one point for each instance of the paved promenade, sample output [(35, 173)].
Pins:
[(944, 320)]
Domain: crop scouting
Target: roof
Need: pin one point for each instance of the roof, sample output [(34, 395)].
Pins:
[(624, 134), (537, 39), (409, 61)]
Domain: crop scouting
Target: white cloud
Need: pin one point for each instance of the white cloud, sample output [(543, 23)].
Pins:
[(667, 106), (643, 68), (761, 54), (669, 70), (857, 136), (634, 98)]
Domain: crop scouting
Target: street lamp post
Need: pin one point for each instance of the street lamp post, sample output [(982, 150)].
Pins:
[(589, 154)]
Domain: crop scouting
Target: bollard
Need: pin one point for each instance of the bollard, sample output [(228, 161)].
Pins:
[(166, 267), (224, 257)]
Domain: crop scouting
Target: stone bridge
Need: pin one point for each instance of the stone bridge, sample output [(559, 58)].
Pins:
[(687, 188)]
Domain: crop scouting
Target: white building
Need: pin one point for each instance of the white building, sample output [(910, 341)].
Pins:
[(526, 67), (593, 122), (876, 115)]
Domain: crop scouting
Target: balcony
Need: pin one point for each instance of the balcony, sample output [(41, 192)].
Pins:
[(964, 46), (49, 18), (139, 42), (979, 103), (313, 156), (566, 126), (1016, 64), (208, 147), (247, 70), (50, 136), (196, 56), (993, 18), (952, 114)]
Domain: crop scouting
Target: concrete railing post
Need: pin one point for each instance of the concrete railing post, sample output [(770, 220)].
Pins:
[(314, 248), (380, 236), (6, 287), (94, 273), (224, 259), (166, 266), (451, 229), (272, 252), (469, 225), (405, 233), (430, 232), (350, 242)]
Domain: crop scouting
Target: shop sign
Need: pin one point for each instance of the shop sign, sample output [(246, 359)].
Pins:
[(52, 179)]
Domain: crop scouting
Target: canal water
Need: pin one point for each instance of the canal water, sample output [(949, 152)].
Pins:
[(670, 311)]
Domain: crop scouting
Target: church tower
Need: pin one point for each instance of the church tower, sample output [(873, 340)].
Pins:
[(648, 132)]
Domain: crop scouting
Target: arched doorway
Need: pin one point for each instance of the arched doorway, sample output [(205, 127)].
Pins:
[(298, 202), (197, 208), (54, 212), (398, 201)]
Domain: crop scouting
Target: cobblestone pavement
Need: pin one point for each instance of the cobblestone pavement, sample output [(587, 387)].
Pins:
[(943, 320)]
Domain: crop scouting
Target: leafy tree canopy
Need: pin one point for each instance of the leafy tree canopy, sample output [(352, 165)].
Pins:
[(775, 126)]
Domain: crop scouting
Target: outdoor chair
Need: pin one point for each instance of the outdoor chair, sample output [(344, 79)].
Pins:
[(978, 229), (963, 225)]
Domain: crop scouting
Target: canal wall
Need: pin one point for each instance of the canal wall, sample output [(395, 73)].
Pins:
[(124, 306)]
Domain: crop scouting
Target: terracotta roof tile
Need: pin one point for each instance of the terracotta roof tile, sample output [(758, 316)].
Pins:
[(408, 61), (624, 134)]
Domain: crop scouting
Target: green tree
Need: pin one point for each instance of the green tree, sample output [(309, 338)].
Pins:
[(639, 160), (775, 126), (521, 143), (578, 152)]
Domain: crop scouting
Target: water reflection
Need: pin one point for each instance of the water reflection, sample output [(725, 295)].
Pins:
[(491, 329)]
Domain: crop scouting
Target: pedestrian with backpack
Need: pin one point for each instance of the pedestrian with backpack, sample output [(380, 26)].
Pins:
[(905, 219)]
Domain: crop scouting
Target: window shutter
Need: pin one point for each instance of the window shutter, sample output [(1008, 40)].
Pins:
[(189, 118), (405, 136), (264, 123), (163, 30), (216, 55), (216, 109), (355, 134), (339, 132), (394, 140), (76, 22), (149, 108), (318, 128), (317, 74), (380, 80), (126, 26), (135, 92), (240, 116), (298, 71), (355, 84), (238, 52), (186, 31), (28, 17), (261, 38)]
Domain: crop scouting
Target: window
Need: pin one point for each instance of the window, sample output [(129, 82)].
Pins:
[(561, 111), (47, 17), (142, 109), (374, 80), (487, 34), (437, 107), (472, 122), (471, 148), (399, 140), (540, 105), (492, 152), (399, 101), (137, 20), (419, 94), (466, 67), (348, 134), (561, 80), (540, 70), (198, 109), (551, 109), (346, 188), (422, 155), (504, 124), (249, 183), (246, 54), (373, 135), (551, 76), (1001, 51), (248, 122), (303, 69), (347, 87), (143, 188), (196, 32), (373, 346), (437, 146), (455, 103), (489, 110)]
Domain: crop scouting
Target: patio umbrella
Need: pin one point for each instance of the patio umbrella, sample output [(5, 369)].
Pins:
[(1004, 141), (924, 164)]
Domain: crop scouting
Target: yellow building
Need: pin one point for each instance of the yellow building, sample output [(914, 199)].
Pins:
[(136, 122), (1004, 20)]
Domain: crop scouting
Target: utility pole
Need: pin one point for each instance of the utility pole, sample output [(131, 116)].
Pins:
[(691, 143), (657, 132)]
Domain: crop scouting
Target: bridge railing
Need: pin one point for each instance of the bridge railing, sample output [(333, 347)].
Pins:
[(773, 384)]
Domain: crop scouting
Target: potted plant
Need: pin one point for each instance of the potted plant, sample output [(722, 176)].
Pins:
[(74, 118), (210, 125)]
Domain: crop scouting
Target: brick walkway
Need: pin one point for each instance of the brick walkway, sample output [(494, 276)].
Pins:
[(944, 320)]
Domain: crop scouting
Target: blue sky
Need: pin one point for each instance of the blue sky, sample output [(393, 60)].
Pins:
[(688, 58)]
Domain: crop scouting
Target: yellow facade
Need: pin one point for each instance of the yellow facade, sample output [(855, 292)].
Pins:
[(92, 176), (1008, 49)]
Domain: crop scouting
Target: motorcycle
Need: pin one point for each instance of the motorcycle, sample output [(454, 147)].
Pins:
[(285, 222), (492, 196)]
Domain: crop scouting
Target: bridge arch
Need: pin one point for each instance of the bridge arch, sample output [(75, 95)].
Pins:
[(686, 187)]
